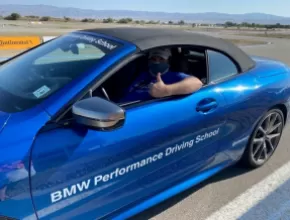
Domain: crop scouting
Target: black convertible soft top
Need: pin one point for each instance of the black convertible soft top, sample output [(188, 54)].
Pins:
[(147, 38)]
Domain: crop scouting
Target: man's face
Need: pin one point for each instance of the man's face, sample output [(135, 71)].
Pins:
[(157, 59), (157, 65)]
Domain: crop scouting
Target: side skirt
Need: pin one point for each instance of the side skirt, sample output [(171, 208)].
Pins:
[(152, 201)]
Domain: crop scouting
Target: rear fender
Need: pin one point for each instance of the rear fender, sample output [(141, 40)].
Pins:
[(266, 67)]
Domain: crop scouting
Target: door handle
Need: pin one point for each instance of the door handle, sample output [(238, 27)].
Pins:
[(206, 105)]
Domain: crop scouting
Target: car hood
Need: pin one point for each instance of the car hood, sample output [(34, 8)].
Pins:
[(3, 119)]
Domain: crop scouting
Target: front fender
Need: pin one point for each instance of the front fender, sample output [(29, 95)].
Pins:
[(16, 168)]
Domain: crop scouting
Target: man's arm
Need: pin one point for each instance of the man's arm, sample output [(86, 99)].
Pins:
[(186, 85)]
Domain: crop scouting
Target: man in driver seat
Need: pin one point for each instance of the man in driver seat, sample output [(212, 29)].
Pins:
[(159, 82)]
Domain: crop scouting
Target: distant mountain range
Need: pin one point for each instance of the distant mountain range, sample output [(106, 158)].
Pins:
[(208, 17)]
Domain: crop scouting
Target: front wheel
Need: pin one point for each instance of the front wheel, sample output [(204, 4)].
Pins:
[(264, 139)]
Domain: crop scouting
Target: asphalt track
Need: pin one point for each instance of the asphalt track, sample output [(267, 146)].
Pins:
[(236, 193)]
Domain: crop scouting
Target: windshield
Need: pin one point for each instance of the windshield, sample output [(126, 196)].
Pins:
[(32, 77)]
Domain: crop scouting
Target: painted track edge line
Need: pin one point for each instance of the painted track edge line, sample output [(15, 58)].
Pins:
[(251, 197)]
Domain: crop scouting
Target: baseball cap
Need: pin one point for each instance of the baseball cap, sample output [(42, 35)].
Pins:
[(164, 53)]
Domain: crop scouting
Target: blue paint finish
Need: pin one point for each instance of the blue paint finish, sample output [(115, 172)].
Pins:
[(16, 139), (65, 157), (165, 146), (3, 119), (170, 192), (249, 96), (192, 126)]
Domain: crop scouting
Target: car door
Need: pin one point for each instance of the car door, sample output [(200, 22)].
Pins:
[(83, 172), (190, 140), (242, 105)]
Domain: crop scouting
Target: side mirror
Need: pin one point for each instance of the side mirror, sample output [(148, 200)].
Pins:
[(98, 113)]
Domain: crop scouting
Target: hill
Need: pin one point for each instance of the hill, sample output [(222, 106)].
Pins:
[(208, 17)]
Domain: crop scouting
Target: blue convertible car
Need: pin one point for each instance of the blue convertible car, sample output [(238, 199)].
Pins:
[(70, 149)]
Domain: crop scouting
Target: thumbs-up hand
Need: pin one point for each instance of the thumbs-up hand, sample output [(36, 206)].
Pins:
[(158, 77), (158, 89)]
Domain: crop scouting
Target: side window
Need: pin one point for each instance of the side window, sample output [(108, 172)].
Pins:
[(193, 62), (220, 66), (117, 85)]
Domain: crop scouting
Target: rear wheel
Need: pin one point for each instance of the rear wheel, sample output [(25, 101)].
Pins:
[(264, 139)]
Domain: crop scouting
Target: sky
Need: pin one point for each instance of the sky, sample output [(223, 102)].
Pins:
[(275, 7)]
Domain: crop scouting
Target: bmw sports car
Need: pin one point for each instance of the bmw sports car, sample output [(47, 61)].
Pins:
[(69, 148)]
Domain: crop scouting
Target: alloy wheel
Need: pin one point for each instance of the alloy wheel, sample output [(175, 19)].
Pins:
[(267, 137)]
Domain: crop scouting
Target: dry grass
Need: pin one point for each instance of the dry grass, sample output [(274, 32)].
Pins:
[(9, 53), (244, 42), (270, 35)]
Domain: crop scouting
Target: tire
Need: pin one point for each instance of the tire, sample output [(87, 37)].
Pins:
[(264, 139)]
